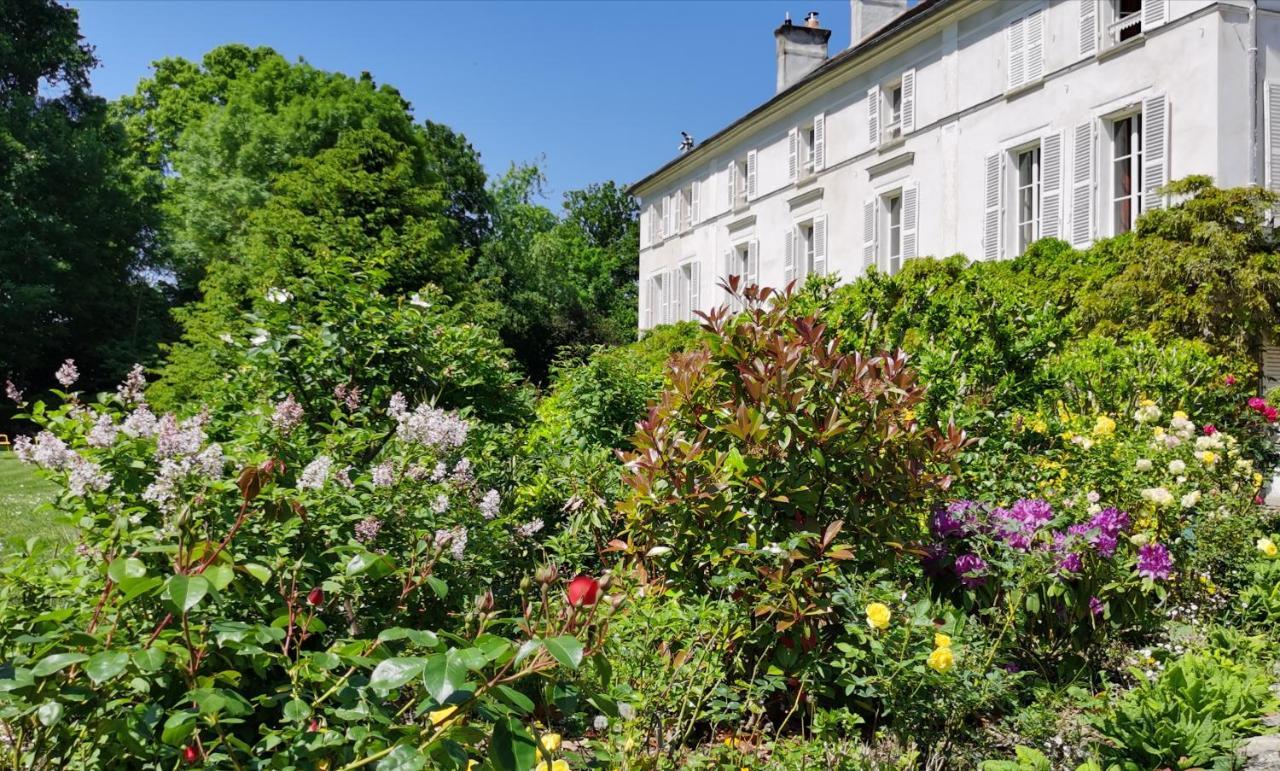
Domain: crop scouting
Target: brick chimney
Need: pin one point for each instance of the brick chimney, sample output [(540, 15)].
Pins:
[(800, 49), (867, 17)]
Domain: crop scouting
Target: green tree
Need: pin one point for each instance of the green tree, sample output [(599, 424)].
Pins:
[(77, 215)]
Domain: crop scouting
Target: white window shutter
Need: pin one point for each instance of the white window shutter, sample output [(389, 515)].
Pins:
[(1155, 150), (695, 288), (1154, 13), (1016, 38), (1034, 47), (666, 217), (731, 174), (1273, 135), (1088, 27), (753, 263), (751, 175), (644, 228), (820, 245), (789, 256), (819, 141), (908, 101), (993, 193), (668, 297), (910, 221), (793, 154), (1270, 366), (1051, 186), (646, 304), (1082, 185), (868, 234), (695, 205), (873, 116)]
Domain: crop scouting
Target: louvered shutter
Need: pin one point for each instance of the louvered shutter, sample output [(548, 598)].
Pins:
[(910, 220), (868, 234), (819, 141), (646, 304), (793, 155), (1016, 38), (1082, 185), (908, 101), (789, 256), (665, 231), (751, 175), (1273, 135), (1034, 47), (992, 199), (1088, 26), (1155, 150), (695, 288), (873, 116), (753, 263), (644, 228), (1051, 186), (820, 245), (695, 205), (1154, 13), (668, 297), (1270, 367), (731, 174)]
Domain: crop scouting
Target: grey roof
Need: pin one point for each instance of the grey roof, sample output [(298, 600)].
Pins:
[(900, 25)]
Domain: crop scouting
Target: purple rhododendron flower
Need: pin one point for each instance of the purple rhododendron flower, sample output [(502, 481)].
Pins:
[(1103, 531), (1095, 606), (1070, 563), (934, 561), (951, 520), (1018, 525), (971, 569), (1154, 562)]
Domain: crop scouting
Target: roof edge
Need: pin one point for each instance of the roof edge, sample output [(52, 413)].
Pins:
[(904, 21)]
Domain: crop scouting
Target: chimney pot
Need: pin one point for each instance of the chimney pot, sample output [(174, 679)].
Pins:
[(867, 17), (811, 21)]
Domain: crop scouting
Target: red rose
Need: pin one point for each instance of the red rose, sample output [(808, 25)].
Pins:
[(1210, 429), (1229, 380), (1270, 414), (313, 726), (583, 590), (315, 598), (190, 753)]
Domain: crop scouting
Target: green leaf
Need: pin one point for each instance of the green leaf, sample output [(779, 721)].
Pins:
[(403, 758), (105, 665), (148, 660), (444, 674), (58, 661), (49, 713), (186, 592), (122, 568), (376, 565), (512, 748), (178, 727), (395, 672), (566, 650), (296, 710), (438, 586), (219, 576), (513, 698)]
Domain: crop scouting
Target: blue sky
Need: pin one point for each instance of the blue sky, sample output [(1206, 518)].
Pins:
[(597, 90)]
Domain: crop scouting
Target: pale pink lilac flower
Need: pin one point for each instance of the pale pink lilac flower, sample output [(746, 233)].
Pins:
[(67, 374), (24, 449), (11, 391), (441, 504), (314, 475), (490, 504), (86, 476), (462, 473), (432, 427), (141, 423), (174, 439), (133, 389), (529, 528), (367, 529), (343, 477), (349, 396), (287, 415), (440, 472), (398, 407), (103, 433), (383, 474)]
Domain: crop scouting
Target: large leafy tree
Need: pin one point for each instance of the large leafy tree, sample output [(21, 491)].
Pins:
[(77, 215), (564, 282), (221, 132)]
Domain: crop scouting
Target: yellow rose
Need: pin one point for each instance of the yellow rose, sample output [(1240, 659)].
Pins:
[(878, 615), (1147, 403), (1104, 426), (550, 742), (1158, 431), (440, 715), (941, 659), (1179, 415), (1267, 547), (1208, 457), (941, 640), (555, 765)]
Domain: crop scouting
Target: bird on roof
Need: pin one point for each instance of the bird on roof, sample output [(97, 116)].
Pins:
[(686, 142)]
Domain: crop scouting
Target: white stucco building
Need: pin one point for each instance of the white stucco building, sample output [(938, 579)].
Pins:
[(973, 126)]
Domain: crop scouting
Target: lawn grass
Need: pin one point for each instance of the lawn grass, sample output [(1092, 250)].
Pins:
[(21, 496)]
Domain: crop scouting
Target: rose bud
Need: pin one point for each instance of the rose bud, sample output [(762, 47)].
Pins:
[(190, 753), (583, 590), (547, 574), (313, 726), (315, 597)]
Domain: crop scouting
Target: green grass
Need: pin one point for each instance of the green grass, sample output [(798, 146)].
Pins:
[(21, 493)]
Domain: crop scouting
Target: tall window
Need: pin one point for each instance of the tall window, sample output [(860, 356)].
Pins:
[(1028, 197), (740, 182), (893, 112), (689, 291), (1126, 172), (1126, 20), (893, 233), (804, 263), (806, 150)]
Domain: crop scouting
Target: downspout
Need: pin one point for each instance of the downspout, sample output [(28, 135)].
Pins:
[(1255, 118)]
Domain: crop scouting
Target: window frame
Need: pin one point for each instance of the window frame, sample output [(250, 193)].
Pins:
[(888, 127), (1035, 188), (891, 205), (1118, 222)]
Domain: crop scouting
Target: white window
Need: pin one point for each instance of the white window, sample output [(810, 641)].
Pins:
[(689, 290), (1124, 20), (806, 149), (738, 183), (1025, 58), (891, 109), (892, 206), (1125, 170), (657, 307), (1027, 196), (805, 250), (743, 259), (893, 112)]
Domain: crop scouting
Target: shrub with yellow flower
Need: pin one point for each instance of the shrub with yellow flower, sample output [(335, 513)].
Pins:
[(1268, 548), (1104, 426), (878, 615), (941, 660)]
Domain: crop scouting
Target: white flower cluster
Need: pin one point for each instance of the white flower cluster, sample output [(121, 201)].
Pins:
[(1147, 412), (104, 432), (140, 423), (314, 475), (52, 454), (1159, 496), (431, 427), (455, 538), (67, 374), (133, 389), (490, 504), (383, 474)]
